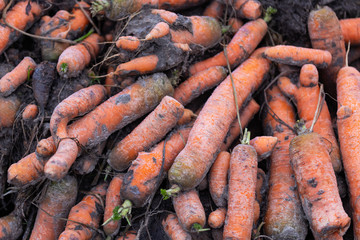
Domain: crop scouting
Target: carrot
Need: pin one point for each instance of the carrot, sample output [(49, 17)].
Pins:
[(349, 29), (261, 184), (347, 124), (195, 160), (250, 9), (239, 48), (130, 235), (173, 228), (152, 129), (325, 33), (203, 185), (86, 163), (30, 112), (215, 9), (129, 43), (159, 30), (284, 216), (306, 93), (109, 81), (217, 218), (218, 176), (85, 216), (192, 87), (316, 182), (2, 4), (137, 66), (8, 109), (22, 16), (186, 117), (53, 208), (298, 56), (74, 59), (189, 210), (235, 24), (246, 114), (264, 145), (113, 199), (169, 17), (12, 80), (10, 226)]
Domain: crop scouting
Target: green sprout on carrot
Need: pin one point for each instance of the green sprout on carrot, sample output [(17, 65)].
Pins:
[(64, 67), (198, 228), (29, 73), (120, 212), (168, 193)]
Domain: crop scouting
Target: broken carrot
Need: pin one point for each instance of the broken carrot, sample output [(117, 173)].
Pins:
[(264, 145), (217, 218), (350, 30), (173, 229), (250, 9), (186, 117)]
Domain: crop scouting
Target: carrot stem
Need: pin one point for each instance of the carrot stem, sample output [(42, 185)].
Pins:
[(170, 192)]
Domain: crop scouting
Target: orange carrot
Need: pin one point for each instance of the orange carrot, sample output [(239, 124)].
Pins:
[(261, 184), (12, 80), (137, 66), (53, 208), (173, 229), (284, 216), (241, 45), (152, 129), (2, 4), (316, 182), (217, 218), (264, 145), (159, 30), (86, 163), (130, 235), (186, 117), (30, 112), (218, 176), (84, 215), (8, 109), (298, 56), (215, 9), (250, 9), (10, 226), (350, 30), (129, 43), (109, 81), (235, 24), (213, 122)]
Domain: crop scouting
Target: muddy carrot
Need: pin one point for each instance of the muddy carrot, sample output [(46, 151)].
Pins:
[(160, 30), (8, 108), (30, 112), (129, 43), (217, 218), (137, 66), (42, 79), (215, 9), (152, 129), (350, 30), (173, 229), (86, 163), (11, 226), (12, 80), (54, 208), (218, 177), (129, 235), (235, 24), (264, 145)]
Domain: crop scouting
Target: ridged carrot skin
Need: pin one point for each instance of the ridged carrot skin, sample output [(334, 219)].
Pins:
[(218, 177), (348, 81), (8, 108), (241, 200), (264, 145), (217, 218), (241, 46), (150, 131), (11, 226), (284, 218), (350, 30), (195, 160), (173, 229), (317, 187)]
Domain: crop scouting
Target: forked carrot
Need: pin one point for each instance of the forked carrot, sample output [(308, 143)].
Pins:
[(173, 229), (8, 108), (217, 218)]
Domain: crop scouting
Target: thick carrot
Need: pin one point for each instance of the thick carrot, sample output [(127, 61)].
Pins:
[(30, 112), (217, 218), (129, 43), (11, 226), (84, 215), (240, 47), (298, 56), (213, 122), (350, 30), (12, 80), (306, 94), (348, 129), (284, 216), (173, 229), (215, 9), (8, 108), (264, 145), (159, 30), (152, 129), (242, 184), (316, 182), (218, 177), (53, 208)]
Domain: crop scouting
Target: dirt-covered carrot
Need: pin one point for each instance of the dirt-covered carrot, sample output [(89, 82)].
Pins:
[(129, 235), (325, 33), (173, 229), (306, 92), (284, 216), (350, 30), (264, 145), (30, 112), (85, 216), (250, 9), (8, 108), (215, 9), (152, 129), (298, 56), (218, 177), (214, 120), (160, 30), (199, 83), (54, 208), (129, 43), (240, 47), (42, 79), (74, 59), (12, 80), (316, 182), (11, 226), (86, 163), (22, 16), (217, 218)]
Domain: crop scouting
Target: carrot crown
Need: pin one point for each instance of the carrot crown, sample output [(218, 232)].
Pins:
[(300, 127), (168, 193), (119, 212)]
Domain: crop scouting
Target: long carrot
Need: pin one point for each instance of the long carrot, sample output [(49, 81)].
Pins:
[(152, 129), (173, 228), (217, 218), (11, 226), (8, 108), (350, 30), (195, 160)]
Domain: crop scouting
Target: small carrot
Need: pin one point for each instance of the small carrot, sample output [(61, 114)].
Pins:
[(173, 229), (137, 66), (264, 145), (12, 80), (8, 108), (214, 9), (129, 43), (349, 29), (159, 30), (11, 226), (30, 112), (152, 129), (217, 218)]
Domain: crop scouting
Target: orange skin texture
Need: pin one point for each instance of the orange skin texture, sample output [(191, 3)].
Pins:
[(110, 116), (113, 199), (215, 9), (217, 218), (306, 95), (11, 226), (56, 204), (213, 122), (8, 108), (325, 33), (298, 56), (260, 184), (246, 115), (194, 86), (152, 129), (350, 29), (169, 17), (129, 43), (12, 80), (240, 47), (88, 212), (186, 117), (189, 209), (317, 187), (19, 17), (250, 9), (160, 30), (264, 145), (241, 200), (130, 235), (141, 65), (30, 112), (2, 4), (173, 229), (218, 177), (109, 80), (143, 177), (284, 215), (235, 24), (348, 129)]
